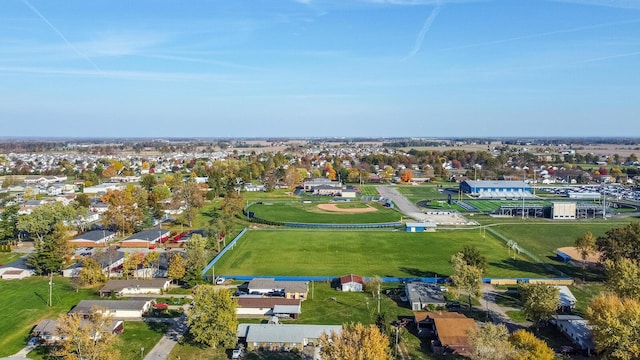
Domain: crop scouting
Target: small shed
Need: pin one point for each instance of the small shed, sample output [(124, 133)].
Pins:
[(420, 226), (564, 257), (352, 283)]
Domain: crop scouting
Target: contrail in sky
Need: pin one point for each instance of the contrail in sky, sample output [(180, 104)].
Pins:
[(423, 31), (61, 35)]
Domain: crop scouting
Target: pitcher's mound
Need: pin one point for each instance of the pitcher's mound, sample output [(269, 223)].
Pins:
[(333, 207)]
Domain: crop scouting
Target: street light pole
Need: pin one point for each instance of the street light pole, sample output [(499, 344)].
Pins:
[(141, 353)]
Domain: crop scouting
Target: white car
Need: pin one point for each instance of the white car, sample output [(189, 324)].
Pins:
[(236, 354), (220, 281)]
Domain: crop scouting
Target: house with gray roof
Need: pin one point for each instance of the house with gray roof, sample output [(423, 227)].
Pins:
[(135, 286), (118, 309), (282, 337), (93, 237), (422, 295), (288, 289)]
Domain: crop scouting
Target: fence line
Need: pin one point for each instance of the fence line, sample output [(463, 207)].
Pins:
[(226, 248), (386, 279)]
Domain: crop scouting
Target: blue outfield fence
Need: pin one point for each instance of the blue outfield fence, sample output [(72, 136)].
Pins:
[(344, 226), (429, 280)]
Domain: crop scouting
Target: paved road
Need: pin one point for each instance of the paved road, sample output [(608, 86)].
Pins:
[(169, 339), (402, 203), (496, 312)]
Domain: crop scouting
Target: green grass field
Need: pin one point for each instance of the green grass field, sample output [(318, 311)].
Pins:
[(8, 257), (367, 253), (26, 303), (298, 211), (138, 335), (417, 193)]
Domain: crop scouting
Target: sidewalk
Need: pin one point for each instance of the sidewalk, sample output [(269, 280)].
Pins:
[(496, 312)]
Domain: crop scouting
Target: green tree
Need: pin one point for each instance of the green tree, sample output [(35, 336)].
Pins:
[(82, 201), (9, 224), (152, 259), (471, 256), (91, 273), (43, 219), (620, 242), (615, 324), (529, 347), (355, 342), (148, 182), (197, 255), (539, 301), (622, 277), (373, 285), (490, 342), (465, 277), (52, 252), (176, 269), (212, 320)]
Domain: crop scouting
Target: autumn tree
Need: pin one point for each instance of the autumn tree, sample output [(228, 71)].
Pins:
[(188, 195), (539, 301), (355, 342), (528, 347), (152, 260), (586, 245), (212, 319), (148, 182), (615, 324), (91, 273), (622, 277), (406, 176), (123, 211), (373, 285), (177, 267), (131, 263), (490, 342), (465, 277), (86, 338)]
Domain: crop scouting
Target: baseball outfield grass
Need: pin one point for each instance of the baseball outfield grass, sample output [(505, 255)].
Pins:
[(308, 212)]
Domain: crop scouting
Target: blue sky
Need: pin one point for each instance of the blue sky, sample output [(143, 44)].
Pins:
[(313, 68)]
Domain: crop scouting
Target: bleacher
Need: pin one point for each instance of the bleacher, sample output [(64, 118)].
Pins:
[(465, 205), (505, 194)]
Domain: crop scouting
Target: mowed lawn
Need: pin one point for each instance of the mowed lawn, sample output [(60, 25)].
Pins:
[(25, 302), (367, 253), (298, 211)]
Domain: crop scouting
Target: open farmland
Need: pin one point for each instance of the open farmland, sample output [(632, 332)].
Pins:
[(308, 212), (367, 253)]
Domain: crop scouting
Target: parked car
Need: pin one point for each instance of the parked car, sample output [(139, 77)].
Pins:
[(220, 281), (236, 354)]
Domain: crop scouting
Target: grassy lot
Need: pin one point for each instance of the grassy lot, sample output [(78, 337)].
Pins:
[(26, 303), (368, 190), (367, 253), (583, 294), (543, 238), (517, 316), (297, 211), (7, 257), (137, 335)]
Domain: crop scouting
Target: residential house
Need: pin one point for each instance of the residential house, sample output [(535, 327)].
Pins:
[(352, 283), (16, 270), (47, 330), (288, 289), (422, 295), (145, 238), (135, 286), (268, 306), (577, 329), (282, 337), (117, 309), (451, 333), (93, 238)]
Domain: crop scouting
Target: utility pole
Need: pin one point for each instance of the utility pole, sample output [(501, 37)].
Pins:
[(50, 289), (395, 356), (378, 298), (213, 277), (312, 288)]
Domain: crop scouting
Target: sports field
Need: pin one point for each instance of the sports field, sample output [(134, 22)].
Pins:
[(367, 253), (309, 212)]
